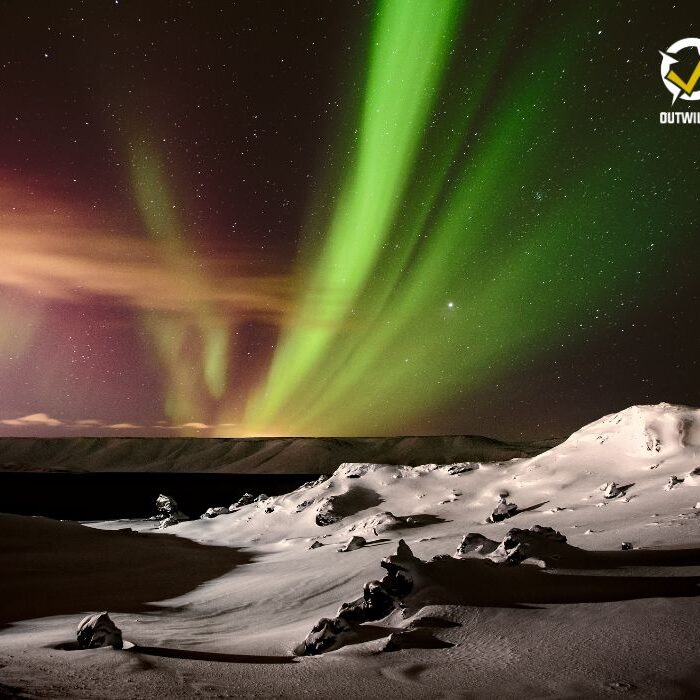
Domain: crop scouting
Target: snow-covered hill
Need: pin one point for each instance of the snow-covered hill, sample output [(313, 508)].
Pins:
[(655, 432)]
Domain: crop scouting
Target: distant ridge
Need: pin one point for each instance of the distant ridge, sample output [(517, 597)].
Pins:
[(249, 455)]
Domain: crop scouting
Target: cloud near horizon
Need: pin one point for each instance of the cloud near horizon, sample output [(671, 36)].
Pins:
[(35, 421)]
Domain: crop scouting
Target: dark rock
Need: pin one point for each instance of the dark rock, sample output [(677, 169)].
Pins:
[(378, 599), (519, 545), (376, 602), (213, 512), (612, 490), (462, 468), (326, 635), (316, 544), (673, 481), (474, 542), (168, 510), (326, 515), (503, 510), (165, 504), (318, 482), (303, 506), (244, 500), (98, 630), (398, 579), (626, 545), (270, 509), (355, 542)]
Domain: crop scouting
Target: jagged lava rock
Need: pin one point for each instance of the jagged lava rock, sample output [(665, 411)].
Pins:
[(326, 515), (213, 512), (98, 630), (244, 500), (355, 542), (672, 481), (378, 599), (503, 510), (519, 545), (326, 635), (169, 510), (611, 490), (475, 543)]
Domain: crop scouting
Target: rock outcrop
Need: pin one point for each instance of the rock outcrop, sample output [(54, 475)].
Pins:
[(475, 543), (244, 500), (611, 490), (213, 512), (168, 511), (98, 630), (326, 513), (318, 482), (355, 542), (672, 482), (379, 598), (519, 545), (503, 510)]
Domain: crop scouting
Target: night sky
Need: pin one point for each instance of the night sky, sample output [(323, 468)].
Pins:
[(343, 218)]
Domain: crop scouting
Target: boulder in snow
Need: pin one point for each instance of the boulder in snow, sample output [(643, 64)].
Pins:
[(611, 490), (213, 512), (355, 542), (326, 635), (168, 509), (474, 542), (98, 630), (462, 467), (519, 545), (303, 506), (378, 599), (672, 481), (326, 515), (503, 509), (244, 500)]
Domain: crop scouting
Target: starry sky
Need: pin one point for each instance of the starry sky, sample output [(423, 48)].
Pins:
[(301, 217)]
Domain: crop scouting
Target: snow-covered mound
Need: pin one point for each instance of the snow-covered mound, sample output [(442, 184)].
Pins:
[(655, 431), (571, 481)]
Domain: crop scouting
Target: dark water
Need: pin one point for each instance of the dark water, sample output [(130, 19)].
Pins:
[(107, 496)]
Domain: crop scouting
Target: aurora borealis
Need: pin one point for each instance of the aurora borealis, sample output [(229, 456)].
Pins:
[(314, 218)]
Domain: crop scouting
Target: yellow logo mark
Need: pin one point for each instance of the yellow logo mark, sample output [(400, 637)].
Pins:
[(688, 87)]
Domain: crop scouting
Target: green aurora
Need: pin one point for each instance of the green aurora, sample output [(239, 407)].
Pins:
[(474, 225), (426, 284)]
